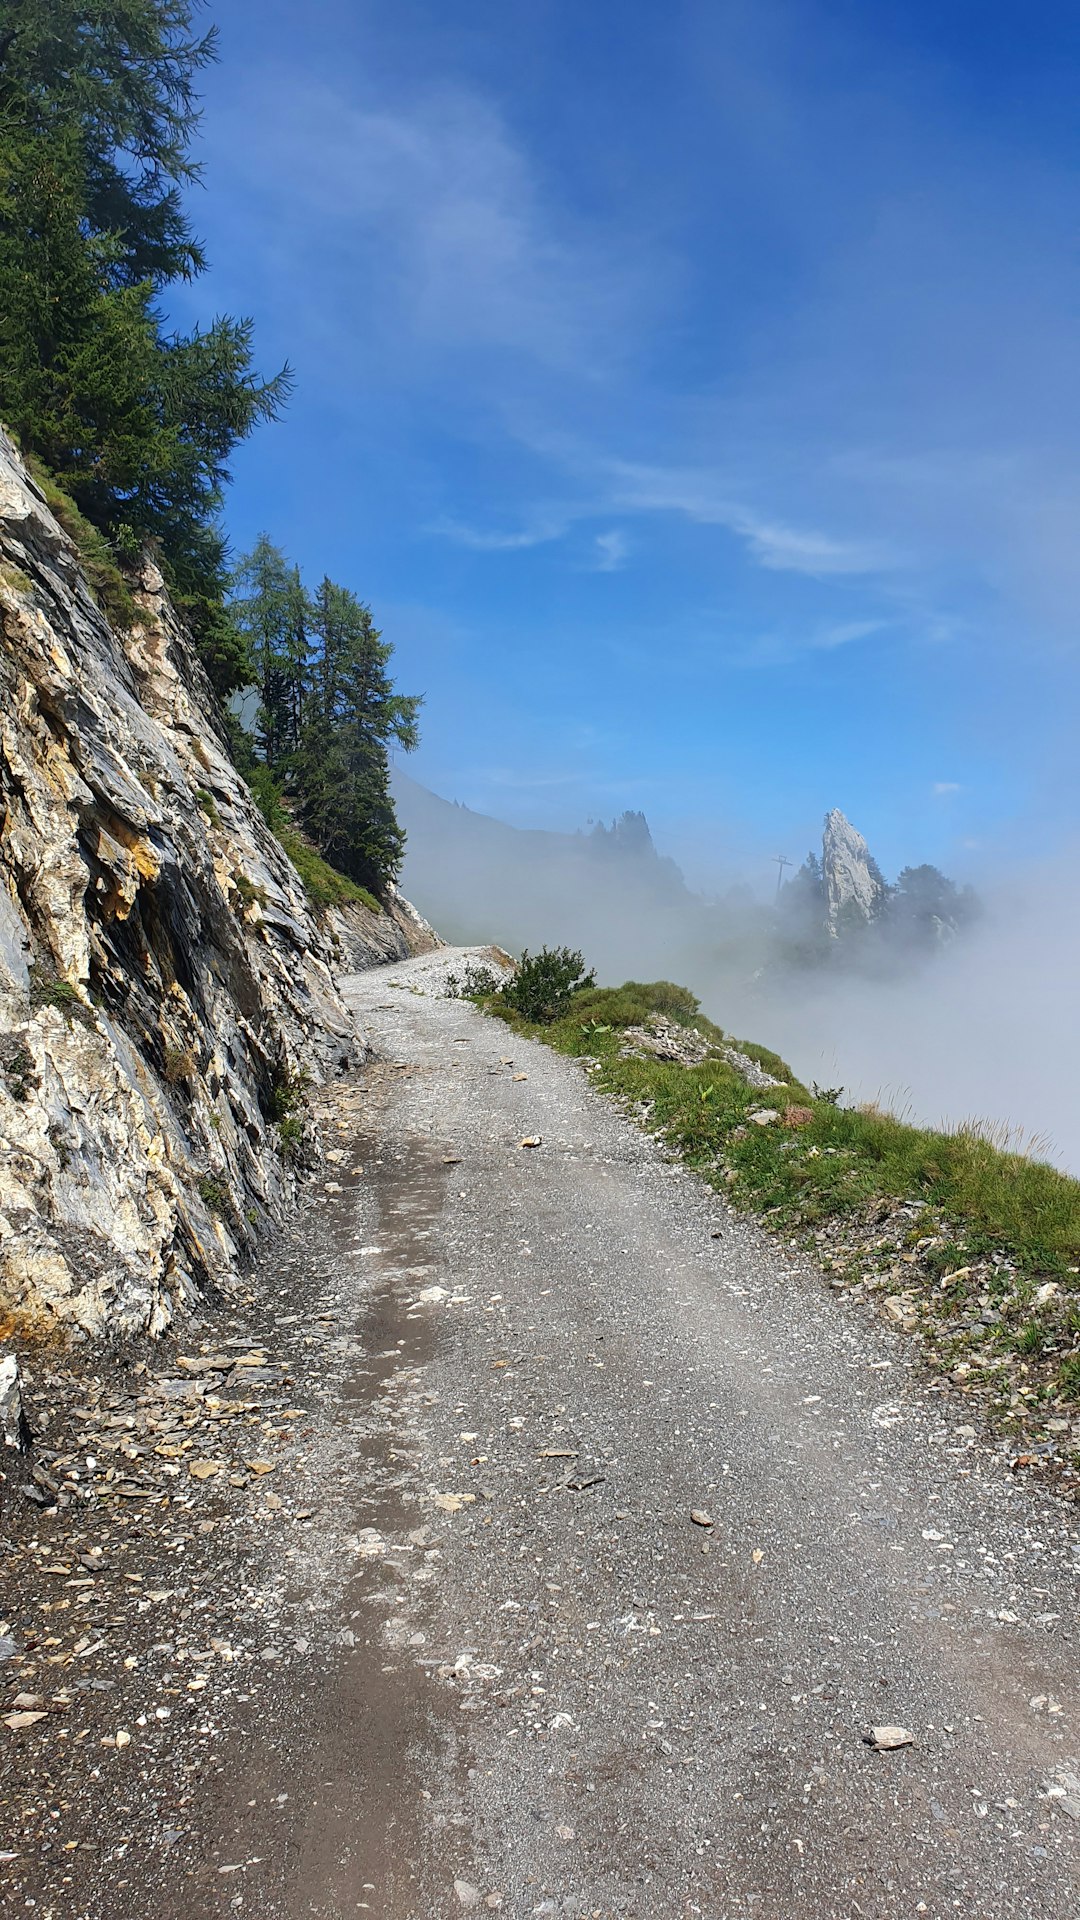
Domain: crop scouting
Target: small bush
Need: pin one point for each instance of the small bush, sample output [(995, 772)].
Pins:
[(208, 806), (250, 893), (291, 1135), (17, 1068), (213, 1194), (288, 1091), (49, 990), (180, 1065), (544, 984), (476, 983)]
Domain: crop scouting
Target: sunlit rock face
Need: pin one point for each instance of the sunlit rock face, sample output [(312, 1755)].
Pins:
[(853, 885), (165, 987)]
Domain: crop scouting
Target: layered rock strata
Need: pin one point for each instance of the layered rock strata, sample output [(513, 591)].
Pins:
[(166, 989)]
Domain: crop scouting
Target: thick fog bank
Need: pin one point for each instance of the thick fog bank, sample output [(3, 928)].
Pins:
[(989, 1029), (986, 1028)]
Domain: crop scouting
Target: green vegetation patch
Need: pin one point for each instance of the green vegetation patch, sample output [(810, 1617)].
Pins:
[(975, 1247), (96, 556), (208, 805), (49, 989), (323, 884)]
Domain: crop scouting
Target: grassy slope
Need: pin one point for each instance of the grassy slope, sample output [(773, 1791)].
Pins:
[(977, 1248)]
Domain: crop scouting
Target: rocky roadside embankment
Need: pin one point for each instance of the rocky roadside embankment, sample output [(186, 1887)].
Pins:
[(166, 989)]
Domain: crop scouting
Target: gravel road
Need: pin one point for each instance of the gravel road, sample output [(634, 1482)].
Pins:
[(619, 1532)]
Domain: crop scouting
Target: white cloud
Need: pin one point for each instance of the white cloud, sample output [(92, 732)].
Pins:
[(701, 496), (943, 787), (611, 551), (440, 224), (491, 540), (844, 634)]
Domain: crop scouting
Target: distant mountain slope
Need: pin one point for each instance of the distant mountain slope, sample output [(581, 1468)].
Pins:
[(607, 891)]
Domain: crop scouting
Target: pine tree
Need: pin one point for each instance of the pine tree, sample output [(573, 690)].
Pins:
[(352, 714), (97, 111), (273, 613), (327, 713)]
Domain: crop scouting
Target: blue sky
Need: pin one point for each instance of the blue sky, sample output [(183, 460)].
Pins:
[(693, 391)]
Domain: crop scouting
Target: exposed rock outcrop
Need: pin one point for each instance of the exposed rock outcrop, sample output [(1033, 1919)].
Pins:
[(165, 987), (852, 880)]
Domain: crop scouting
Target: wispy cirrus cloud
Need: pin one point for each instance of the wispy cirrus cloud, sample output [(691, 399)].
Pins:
[(611, 550), (703, 497), (499, 540), (444, 224)]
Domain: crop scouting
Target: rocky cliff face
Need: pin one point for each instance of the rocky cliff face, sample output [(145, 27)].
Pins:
[(165, 988), (853, 884)]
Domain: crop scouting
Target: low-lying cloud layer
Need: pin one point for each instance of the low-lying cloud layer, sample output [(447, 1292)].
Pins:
[(986, 1029)]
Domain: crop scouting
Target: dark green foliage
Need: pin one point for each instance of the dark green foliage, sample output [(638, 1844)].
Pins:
[(923, 901), (17, 1068), (327, 715), (351, 714), (476, 983), (544, 985), (272, 613), (286, 1106), (269, 795), (208, 805), (135, 423), (213, 1194)]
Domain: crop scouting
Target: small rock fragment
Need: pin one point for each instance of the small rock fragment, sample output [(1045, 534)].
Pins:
[(700, 1518), (888, 1739)]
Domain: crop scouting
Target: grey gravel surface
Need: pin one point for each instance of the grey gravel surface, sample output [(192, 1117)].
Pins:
[(526, 1679)]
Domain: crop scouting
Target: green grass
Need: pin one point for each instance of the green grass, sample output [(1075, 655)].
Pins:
[(250, 892), (324, 885), (844, 1159), (48, 989), (96, 557), (208, 805), (982, 1244)]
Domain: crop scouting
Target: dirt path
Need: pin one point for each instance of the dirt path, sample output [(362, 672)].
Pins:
[(506, 1669)]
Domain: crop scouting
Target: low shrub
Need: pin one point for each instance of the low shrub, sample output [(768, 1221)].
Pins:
[(476, 983), (17, 1069), (213, 1194), (180, 1065), (250, 892), (545, 983)]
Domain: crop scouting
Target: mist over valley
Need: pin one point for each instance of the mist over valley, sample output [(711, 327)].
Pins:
[(942, 1004)]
